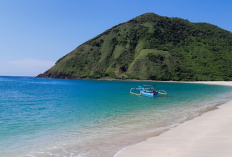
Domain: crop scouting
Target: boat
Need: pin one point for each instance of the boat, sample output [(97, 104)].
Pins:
[(148, 90)]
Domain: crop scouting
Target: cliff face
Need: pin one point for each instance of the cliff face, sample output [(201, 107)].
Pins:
[(151, 47)]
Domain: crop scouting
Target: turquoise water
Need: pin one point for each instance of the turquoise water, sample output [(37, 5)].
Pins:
[(53, 117)]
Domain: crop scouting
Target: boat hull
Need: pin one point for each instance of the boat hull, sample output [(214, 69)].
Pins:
[(150, 91), (149, 94)]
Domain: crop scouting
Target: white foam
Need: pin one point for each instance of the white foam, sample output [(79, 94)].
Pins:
[(30, 155), (122, 150), (53, 147)]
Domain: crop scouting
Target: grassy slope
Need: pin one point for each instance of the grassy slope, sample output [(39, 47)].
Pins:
[(151, 47)]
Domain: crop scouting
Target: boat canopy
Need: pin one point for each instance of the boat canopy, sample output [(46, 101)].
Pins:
[(150, 85)]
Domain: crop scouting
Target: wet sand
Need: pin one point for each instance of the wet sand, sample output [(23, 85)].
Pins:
[(209, 135)]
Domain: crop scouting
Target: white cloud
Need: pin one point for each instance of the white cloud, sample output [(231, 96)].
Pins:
[(32, 63), (26, 67)]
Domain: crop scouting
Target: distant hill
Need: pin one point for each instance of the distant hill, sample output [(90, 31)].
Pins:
[(151, 47)]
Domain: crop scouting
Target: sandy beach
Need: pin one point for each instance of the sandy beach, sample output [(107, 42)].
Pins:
[(223, 83), (209, 135)]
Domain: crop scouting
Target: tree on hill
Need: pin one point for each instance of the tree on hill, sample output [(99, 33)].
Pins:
[(151, 47)]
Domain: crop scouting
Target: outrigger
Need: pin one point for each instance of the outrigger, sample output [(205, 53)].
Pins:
[(148, 90)]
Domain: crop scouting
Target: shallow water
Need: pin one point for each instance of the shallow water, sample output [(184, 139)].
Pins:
[(53, 117)]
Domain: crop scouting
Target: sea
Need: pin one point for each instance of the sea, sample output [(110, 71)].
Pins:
[(93, 118)]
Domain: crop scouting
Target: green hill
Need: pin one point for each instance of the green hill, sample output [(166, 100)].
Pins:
[(151, 47)]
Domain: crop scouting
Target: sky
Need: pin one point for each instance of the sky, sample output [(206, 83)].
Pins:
[(34, 34)]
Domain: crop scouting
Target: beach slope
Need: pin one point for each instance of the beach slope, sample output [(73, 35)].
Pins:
[(209, 135)]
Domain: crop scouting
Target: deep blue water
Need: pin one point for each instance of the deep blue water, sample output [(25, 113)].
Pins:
[(44, 117)]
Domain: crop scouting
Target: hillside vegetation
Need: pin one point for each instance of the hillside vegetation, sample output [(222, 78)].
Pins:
[(151, 47)]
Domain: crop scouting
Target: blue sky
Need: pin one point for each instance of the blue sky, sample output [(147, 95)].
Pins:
[(34, 34)]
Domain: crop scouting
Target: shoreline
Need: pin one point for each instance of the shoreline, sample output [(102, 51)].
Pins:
[(186, 140), (226, 83), (221, 83)]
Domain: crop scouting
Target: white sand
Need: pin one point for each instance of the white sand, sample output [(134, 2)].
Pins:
[(209, 135), (224, 83)]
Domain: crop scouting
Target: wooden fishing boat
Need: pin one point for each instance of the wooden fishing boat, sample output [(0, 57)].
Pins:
[(148, 90)]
